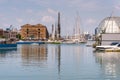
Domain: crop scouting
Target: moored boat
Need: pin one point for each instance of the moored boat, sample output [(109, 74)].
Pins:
[(112, 47), (68, 42), (8, 46), (29, 42)]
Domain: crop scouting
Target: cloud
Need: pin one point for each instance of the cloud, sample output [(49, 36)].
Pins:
[(91, 21), (117, 7), (19, 20), (51, 11), (87, 5), (48, 19), (5, 25)]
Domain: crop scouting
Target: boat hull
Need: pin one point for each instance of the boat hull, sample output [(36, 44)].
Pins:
[(30, 42), (8, 46)]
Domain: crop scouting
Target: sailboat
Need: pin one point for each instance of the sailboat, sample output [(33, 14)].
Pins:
[(78, 38)]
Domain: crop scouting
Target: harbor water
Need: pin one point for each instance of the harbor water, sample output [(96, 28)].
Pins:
[(58, 62)]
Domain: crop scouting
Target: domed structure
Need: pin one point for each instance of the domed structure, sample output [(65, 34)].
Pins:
[(109, 25)]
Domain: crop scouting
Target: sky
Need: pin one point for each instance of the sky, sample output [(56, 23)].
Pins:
[(91, 13)]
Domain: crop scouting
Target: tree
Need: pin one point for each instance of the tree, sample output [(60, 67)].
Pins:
[(18, 36)]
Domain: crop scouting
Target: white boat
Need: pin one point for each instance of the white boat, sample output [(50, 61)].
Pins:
[(78, 37), (112, 46), (34, 44), (29, 42), (68, 42)]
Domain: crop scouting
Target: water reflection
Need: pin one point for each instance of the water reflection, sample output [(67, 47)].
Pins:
[(110, 63), (5, 52), (59, 62), (58, 51), (54, 58), (34, 55)]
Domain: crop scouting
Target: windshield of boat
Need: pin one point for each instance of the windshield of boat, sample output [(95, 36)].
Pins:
[(114, 43), (118, 45)]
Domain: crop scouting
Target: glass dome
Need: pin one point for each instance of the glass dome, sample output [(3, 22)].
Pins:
[(109, 25)]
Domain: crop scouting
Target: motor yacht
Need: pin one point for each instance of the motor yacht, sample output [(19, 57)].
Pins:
[(112, 46)]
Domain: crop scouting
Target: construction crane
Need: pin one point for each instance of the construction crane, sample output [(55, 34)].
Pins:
[(11, 28)]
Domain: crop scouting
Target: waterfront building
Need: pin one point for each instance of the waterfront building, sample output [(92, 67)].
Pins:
[(108, 30), (1, 33), (10, 33), (87, 36), (109, 25), (36, 32)]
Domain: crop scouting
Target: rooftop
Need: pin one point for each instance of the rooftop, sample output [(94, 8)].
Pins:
[(109, 25)]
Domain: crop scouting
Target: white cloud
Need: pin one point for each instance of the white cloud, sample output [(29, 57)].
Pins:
[(117, 7), (19, 20), (48, 19), (87, 5), (32, 21), (51, 11), (5, 25), (91, 21)]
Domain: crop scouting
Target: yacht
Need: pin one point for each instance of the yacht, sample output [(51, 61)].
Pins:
[(112, 46)]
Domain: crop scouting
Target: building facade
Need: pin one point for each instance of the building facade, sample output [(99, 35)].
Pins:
[(36, 32), (10, 34), (109, 25), (108, 30), (1, 33)]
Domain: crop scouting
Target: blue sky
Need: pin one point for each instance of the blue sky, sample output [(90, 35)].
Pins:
[(91, 12)]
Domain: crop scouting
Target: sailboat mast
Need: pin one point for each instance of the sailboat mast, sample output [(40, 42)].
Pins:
[(77, 27), (59, 26)]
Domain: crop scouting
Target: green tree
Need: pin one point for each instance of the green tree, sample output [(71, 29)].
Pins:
[(18, 36)]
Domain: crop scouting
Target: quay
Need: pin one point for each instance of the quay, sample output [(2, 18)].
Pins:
[(30, 42)]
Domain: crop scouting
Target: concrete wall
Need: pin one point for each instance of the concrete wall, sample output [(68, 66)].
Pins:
[(108, 38)]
